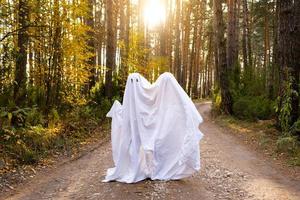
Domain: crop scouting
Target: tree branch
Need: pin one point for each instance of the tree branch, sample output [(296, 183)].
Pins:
[(17, 30)]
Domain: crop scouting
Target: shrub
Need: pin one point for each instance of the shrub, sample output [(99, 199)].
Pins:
[(100, 104), (284, 105), (216, 105), (105, 106), (16, 116), (21, 117), (295, 129), (36, 96), (27, 134), (86, 112), (53, 117), (288, 144), (98, 92), (29, 156), (34, 117), (17, 146), (253, 108)]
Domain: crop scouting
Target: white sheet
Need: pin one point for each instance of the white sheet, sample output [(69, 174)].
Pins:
[(155, 132)]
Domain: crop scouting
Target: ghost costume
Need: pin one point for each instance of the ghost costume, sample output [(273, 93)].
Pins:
[(154, 133)]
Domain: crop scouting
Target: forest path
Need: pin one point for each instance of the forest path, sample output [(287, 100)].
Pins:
[(230, 170)]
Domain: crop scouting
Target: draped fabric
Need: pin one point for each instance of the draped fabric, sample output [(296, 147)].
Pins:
[(155, 132)]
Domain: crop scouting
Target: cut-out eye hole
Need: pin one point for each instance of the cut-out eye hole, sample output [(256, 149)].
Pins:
[(131, 81), (137, 80)]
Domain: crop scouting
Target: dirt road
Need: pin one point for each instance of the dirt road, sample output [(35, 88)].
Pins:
[(230, 170)]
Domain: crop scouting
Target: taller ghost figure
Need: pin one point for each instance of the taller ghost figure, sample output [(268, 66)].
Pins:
[(155, 132)]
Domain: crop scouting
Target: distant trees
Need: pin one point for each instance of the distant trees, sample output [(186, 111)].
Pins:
[(44, 53), (266, 67), (57, 53), (61, 50)]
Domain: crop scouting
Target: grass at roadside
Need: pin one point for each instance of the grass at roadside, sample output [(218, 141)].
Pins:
[(32, 144), (262, 134), (42, 142)]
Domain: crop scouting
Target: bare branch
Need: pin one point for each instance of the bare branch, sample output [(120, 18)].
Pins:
[(17, 30)]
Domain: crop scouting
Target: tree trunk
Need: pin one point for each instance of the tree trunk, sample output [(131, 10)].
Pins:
[(249, 42), (244, 36), (177, 61), (91, 43), (127, 35), (169, 24), (231, 29), (198, 60), (208, 65), (246, 42), (192, 60), (164, 35), (275, 65), (55, 73), (21, 55), (30, 63), (232, 41), (289, 51), (226, 99), (186, 44), (124, 25), (197, 64), (266, 47), (111, 46)]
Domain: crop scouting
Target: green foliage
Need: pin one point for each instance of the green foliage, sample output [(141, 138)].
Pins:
[(156, 66), (284, 105), (21, 117), (250, 85), (264, 140), (35, 117), (36, 96), (53, 116), (29, 156), (15, 117), (216, 101), (100, 102), (289, 144), (140, 58), (137, 54), (105, 106), (6, 97), (295, 129), (249, 98), (253, 108), (33, 141), (20, 145)]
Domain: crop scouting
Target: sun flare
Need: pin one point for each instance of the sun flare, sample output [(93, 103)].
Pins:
[(154, 13)]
